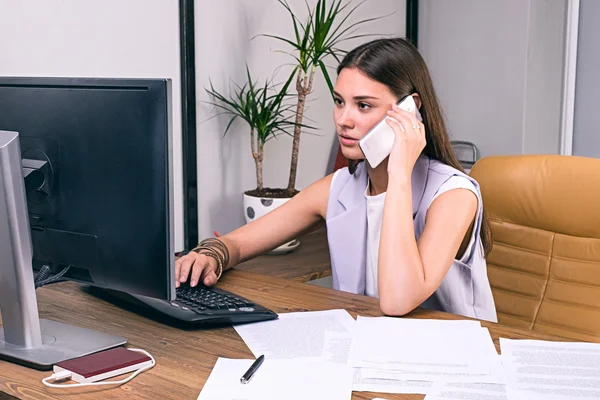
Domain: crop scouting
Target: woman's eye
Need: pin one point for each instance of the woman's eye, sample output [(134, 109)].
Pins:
[(364, 106), (337, 102)]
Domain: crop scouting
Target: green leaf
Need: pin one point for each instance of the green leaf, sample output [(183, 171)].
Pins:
[(325, 27), (326, 76), (294, 20), (295, 45)]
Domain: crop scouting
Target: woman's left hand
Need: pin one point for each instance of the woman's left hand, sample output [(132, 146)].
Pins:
[(409, 141)]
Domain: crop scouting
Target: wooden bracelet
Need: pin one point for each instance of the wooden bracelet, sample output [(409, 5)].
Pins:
[(213, 242), (219, 265), (216, 246), (216, 257), (211, 252)]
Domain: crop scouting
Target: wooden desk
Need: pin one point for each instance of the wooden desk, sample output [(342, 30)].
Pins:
[(185, 357), (308, 262)]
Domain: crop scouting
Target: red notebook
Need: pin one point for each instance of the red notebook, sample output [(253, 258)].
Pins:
[(103, 365)]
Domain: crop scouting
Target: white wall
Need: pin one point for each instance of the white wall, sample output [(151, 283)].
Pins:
[(497, 67), (225, 166), (108, 38)]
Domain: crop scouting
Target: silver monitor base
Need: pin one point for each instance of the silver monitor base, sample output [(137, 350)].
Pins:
[(60, 342)]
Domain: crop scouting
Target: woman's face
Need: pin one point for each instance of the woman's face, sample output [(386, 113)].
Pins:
[(360, 103)]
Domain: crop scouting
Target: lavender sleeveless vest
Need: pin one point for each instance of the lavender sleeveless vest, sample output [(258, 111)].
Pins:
[(464, 291)]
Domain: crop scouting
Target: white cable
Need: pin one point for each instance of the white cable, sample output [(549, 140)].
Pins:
[(67, 374)]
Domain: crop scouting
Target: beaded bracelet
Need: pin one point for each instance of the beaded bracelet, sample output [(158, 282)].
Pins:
[(215, 249)]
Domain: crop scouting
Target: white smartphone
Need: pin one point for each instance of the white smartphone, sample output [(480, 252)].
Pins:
[(377, 143)]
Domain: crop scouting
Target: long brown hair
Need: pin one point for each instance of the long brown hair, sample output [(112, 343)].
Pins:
[(398, 64)]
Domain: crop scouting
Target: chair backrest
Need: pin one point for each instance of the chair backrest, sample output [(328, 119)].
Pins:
[(466, 153), (544, 267)]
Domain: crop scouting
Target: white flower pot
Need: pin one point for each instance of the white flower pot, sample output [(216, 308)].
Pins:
[(256, 207)]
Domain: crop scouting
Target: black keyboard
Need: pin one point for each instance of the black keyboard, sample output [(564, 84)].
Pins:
[(203, 298), (202, 305)]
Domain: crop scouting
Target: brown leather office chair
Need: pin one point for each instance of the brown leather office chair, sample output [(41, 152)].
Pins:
[(545, 265)]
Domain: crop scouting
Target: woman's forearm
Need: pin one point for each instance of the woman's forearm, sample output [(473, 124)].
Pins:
[(234, 251), (401, 276)]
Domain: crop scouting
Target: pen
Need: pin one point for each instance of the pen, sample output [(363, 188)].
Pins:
[(252, 370)]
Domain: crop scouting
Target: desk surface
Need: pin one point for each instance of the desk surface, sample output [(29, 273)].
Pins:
[(185, 357)]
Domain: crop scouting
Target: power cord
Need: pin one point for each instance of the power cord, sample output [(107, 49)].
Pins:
[(61, 376), (43, 277), (43, 274)]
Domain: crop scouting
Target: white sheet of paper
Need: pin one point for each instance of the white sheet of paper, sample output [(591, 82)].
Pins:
[(487, 352), (362, 384), (495, 377), (295, 335), (336, 347), (471, 391), (278, 379), (422, 345), (537, 369)]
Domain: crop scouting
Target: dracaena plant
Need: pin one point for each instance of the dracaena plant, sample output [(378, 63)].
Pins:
[(263, 108), (315, 39)]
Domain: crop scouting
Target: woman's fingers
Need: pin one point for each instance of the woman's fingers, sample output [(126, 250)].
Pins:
[(210, 278), (394, 123), (185, 265), (198, 269), (408, 122), (177, 271)]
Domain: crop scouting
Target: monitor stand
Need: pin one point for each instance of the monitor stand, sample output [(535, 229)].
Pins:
[(24, 338)]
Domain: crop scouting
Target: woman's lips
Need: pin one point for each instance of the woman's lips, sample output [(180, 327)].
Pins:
[(347, 141)]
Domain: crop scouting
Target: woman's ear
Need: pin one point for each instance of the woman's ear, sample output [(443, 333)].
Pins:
[(417, 100)]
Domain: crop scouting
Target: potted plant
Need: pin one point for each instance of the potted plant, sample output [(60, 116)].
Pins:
[(315, 39), (267, 114), (263, 107)]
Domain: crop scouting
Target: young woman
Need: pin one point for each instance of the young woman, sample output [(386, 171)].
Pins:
[(411, 231)]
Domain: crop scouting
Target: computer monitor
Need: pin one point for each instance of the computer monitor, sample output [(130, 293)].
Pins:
[(97, 198)]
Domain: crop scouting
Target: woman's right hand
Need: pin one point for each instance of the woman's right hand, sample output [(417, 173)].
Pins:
[(199, 267)]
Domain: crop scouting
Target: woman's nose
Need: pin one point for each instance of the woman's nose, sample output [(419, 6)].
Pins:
[(344, 119)]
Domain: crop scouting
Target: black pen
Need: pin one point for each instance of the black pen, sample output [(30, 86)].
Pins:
[(250, 373)]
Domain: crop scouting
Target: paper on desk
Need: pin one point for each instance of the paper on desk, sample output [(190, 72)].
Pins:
[(421, 345), (336, 347), (278, 379), (497, 375), (297, 335), (370, 380), (461, 391), (362, 384), (537, 369), (493, 373)]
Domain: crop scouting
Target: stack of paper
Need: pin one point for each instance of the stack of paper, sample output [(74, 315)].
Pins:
[(462, 391), (444, 359), (388, 355), (394, 353), (535, 370), (538, 369)]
